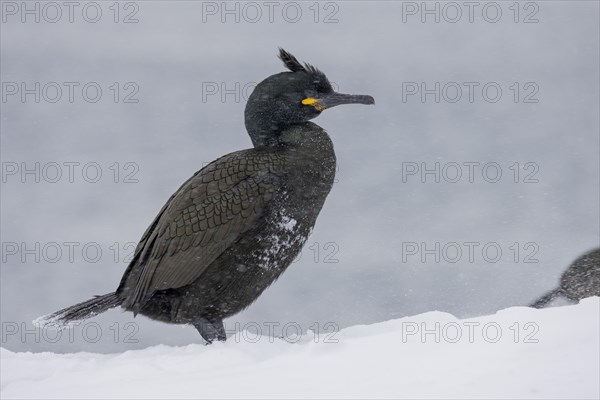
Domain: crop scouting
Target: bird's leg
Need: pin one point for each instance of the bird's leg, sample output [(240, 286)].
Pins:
[(210, 331)]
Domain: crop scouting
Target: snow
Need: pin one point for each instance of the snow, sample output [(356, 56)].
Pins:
[(518, 352), (272, 256), (287, 223)]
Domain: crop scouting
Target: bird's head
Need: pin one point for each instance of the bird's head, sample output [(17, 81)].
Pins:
[(290, 98)]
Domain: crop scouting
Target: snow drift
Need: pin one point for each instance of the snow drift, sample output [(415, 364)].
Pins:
[(516, 353)]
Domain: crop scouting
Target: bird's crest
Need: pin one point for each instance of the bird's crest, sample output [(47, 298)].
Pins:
[(294, 65)]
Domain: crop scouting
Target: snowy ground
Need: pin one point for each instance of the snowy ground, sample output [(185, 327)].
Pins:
[(516, 353)]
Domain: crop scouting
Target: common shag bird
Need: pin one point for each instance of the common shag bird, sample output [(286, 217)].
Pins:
[(580, 280), (231, 229)]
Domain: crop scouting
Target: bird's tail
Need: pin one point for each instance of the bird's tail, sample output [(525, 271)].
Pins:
[(545, 299), (87, 309)]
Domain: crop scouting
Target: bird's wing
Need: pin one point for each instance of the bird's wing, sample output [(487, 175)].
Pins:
[(200, 221)]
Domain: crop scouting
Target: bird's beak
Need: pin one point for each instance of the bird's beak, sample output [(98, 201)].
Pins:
[(335, 99)]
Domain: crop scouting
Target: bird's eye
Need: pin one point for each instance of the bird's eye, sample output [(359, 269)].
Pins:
[(310, 93)]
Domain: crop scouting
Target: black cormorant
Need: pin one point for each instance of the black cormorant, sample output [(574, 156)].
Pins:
[(231, 229), (580, 280)]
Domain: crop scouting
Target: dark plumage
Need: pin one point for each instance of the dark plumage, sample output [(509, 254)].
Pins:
[(580, 280), (231, 229)]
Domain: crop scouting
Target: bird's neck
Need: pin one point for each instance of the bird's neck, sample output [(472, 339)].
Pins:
[(307, 135), (310, 161), (310, 142), (263, 131)]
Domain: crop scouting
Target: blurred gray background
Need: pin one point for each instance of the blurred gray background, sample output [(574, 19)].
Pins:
[(358, 270)]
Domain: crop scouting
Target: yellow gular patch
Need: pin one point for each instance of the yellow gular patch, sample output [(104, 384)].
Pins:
[(310, 101)]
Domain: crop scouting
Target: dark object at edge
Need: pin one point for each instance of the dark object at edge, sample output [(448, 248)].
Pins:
[(580, 280)]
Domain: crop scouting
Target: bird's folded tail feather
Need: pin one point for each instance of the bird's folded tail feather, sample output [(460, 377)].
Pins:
[(84, 310), (545, 299)]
